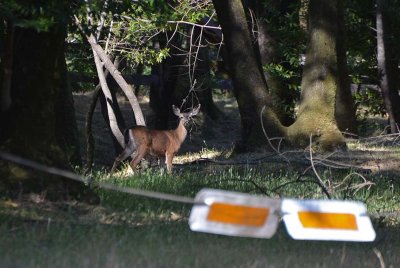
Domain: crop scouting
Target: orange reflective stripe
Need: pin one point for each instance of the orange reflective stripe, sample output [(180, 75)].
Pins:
[(238, 214), (326, 220)]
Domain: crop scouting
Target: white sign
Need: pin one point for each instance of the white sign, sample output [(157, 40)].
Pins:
[(234, 214), (327, 220)]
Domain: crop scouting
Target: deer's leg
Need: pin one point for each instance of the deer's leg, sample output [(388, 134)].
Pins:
[(129, 149), (141, 152), (162, 164), (168, 161), (162, 161), (124, 155)]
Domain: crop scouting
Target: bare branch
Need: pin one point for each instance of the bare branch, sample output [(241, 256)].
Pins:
[(320, 182), (128, 90)]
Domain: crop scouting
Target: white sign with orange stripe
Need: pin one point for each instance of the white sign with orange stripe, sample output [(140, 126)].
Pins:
[(327, 220), (234, 214)]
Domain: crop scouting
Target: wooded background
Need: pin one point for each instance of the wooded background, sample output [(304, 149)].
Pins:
[(296, 68)]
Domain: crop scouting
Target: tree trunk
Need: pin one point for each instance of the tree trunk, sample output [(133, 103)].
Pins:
[(126, 88), (201, 75), (35, 121), (66, 128), (266, 50), (250, 88), (345, 111), (193, 84), (6, 64), (112, 119), (320, 80), (387, 66), (161, 94)]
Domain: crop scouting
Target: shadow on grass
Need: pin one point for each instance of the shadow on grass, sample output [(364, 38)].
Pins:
[(27, 242)]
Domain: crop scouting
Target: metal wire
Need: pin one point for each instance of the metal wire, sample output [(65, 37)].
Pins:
[(76, 177)]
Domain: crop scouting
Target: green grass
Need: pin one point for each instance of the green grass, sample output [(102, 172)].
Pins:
[(130, 231), (381, 194)]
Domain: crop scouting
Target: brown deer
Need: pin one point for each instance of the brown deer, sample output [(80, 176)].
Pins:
[(141, 141)]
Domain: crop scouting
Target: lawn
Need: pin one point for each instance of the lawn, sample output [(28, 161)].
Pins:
[(130, 231)]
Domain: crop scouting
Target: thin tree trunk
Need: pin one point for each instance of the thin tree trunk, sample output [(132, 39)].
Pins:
[(88, 126), (161, 93), (66, 128), (345, 111), (5, 96), (266, 47), (89, 116), (111, 115), (126, 88), (386, 68)]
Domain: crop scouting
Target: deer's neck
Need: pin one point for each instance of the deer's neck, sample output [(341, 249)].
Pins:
[(181, 131)]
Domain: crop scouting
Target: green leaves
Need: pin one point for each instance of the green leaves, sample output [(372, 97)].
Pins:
[(40, 15), (146, 55), (137, 30)]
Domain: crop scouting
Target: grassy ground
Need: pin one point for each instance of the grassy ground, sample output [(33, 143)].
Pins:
[(129, 231)]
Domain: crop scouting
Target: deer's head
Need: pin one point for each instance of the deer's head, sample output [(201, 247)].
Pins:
[(186, 116)]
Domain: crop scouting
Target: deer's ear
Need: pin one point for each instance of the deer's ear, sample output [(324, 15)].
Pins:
[(196, 110), (176, 110)]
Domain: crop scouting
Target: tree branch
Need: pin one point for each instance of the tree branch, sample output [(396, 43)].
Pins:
[(126, 88)]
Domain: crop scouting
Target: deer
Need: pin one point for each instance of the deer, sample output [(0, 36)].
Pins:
[(141, 141)]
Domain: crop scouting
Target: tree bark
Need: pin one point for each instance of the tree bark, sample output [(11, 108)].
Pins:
[(194, 75), (116, 112), (116, 132), (36, 88), (90, 143), (387, 66), (66, 128), (320, 80), (161, 93), (126, 88), (7, 64), (250, 88), (266, 49), (345, 111)]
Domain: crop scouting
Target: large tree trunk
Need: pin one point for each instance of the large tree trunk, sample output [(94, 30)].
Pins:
[(250, 88), (35, 125), (387, 66), (320, 80)]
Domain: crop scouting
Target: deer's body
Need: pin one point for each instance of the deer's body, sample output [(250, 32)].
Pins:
[(142, 141)]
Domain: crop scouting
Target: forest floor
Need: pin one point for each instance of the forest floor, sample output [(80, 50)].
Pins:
[(214, 140)]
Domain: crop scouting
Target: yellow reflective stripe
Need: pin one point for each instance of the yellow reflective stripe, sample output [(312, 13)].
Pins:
[(324, 220), (238, 214)]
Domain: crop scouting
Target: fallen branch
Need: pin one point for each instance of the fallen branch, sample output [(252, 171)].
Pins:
[(320, 182)]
